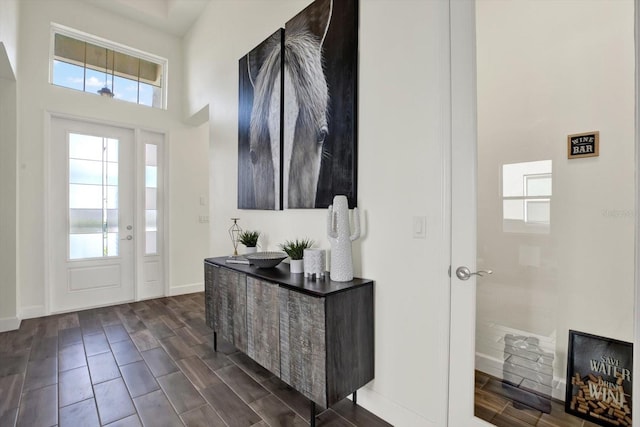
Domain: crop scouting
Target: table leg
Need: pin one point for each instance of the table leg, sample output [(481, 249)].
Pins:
[(312, 422)]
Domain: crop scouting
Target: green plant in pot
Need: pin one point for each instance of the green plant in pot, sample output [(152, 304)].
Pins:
[(295, 250), (250, 240)]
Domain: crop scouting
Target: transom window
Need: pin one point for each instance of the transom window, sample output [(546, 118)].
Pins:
[(87, 63)]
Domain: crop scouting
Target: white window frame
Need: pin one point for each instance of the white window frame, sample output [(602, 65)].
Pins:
[(108, 44)]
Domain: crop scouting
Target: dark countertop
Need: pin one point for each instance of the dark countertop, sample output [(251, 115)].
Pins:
[(280, 274)]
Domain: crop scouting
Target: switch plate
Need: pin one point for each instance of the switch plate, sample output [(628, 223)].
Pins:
[(419, 227)]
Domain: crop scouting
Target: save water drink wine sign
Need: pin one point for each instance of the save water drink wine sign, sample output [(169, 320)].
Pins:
[(581, 145), (599, 379)]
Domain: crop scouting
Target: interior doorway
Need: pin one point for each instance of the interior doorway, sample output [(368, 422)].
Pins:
[(557, 232)]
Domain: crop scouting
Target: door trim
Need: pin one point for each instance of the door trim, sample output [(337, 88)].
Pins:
[(463, 198), (636, 357), (45, 309)]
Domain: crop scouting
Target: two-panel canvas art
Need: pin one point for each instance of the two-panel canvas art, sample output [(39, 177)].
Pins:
[(298, 110)]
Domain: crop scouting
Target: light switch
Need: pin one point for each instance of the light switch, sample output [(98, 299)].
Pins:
[(419, 227)]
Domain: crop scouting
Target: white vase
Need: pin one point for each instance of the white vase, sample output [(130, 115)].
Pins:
[(340, 237), (314, 263), (250, 250), (296, 266)]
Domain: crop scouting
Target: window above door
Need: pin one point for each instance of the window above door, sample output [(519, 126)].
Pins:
[(94, 65)]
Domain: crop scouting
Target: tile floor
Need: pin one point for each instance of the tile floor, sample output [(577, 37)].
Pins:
[(147, 363), (493, 406)]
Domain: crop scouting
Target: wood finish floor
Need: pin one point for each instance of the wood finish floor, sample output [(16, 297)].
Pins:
[(491, 405), (147, 363)]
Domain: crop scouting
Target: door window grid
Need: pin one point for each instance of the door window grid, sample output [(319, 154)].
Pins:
[(526, 196), (93, 197)]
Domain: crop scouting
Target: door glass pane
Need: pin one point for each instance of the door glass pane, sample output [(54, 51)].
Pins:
[(93, 197), (151, 198), (558, 233)]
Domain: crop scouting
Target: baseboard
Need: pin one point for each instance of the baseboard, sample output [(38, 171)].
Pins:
[(9, 324), (32, 311), (186, 289), (493, 367), (389, 410)]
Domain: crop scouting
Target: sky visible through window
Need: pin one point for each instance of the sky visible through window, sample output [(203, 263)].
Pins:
[(73, 77)]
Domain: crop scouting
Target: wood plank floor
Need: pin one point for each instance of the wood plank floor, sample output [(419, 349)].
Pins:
[(147, 363), (494, 406)]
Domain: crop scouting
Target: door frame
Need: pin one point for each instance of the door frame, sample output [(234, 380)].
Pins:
[(163, 178), (462, 183)]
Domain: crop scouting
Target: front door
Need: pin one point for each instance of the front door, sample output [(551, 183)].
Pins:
[(92, 214), (556, 230)]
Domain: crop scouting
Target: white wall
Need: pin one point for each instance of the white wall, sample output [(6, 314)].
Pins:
[(547, 70), (9, 36), (36, 96), (8, 199), (403, 130), (189, 186), (8, 150)]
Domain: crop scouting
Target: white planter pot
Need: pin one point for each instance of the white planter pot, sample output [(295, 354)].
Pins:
[(250, 250), (296, 266)]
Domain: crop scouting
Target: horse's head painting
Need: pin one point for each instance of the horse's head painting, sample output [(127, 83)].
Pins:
[(306, 97), (298, 111), (296, 79), (264, 68)]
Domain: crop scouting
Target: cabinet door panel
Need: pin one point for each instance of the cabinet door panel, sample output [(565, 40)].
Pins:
[(230, 307), (302, 344), (209, 277), (263, 324)]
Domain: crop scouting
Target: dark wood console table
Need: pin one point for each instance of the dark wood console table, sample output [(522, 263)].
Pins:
[(315, 335)]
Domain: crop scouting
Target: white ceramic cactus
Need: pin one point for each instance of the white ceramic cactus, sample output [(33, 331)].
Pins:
[(340, 238)]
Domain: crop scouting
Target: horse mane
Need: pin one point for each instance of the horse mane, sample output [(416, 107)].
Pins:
[(263, 90), (303, 60)]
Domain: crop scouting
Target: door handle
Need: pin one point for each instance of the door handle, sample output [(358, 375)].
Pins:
[(129, 237), (463, 273)]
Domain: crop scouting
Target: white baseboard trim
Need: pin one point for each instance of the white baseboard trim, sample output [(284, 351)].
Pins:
[(32, 311), (186, 289), (9, 324), (493, 366), (389, 410)]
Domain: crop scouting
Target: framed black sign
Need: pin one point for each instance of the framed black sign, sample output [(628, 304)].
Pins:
[(581, 145), (599, 379)]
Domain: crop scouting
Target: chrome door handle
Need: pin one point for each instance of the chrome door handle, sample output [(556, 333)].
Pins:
[(129, 237), (463, 273)]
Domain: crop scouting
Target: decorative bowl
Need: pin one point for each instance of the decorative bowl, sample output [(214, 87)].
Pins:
[(266, 259)]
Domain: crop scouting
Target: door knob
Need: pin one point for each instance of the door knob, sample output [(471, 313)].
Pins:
[(129, 237), (463, 273)]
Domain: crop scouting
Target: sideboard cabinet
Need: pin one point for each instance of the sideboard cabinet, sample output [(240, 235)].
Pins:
[(316, 335)]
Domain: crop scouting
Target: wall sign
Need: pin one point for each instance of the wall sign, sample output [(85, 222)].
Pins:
[(599, 379), (583, 145)]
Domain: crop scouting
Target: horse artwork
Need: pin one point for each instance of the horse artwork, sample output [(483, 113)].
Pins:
[(259, 126), (297, 112), (320, 92)]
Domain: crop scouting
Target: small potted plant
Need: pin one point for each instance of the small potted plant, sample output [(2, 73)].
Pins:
[(295, 250), (250, 240)]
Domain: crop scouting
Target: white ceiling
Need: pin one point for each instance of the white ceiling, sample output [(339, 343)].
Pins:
[(172, 16)]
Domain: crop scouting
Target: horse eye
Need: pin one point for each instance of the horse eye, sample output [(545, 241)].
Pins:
[(322, 134)]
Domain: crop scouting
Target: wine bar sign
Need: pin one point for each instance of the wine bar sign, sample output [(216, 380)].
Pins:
[(581, 145)]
